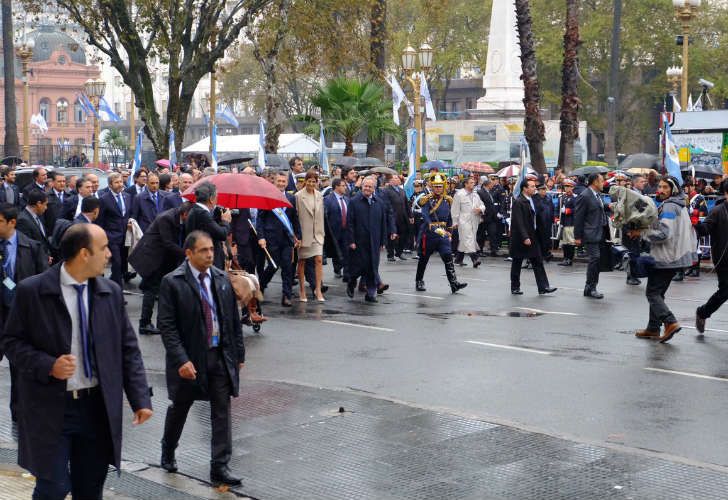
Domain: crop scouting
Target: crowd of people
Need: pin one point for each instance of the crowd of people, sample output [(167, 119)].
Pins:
[(73, 362)]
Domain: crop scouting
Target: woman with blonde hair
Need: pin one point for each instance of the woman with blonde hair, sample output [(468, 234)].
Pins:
[(310, 208)]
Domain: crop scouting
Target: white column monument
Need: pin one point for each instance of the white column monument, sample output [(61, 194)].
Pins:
[(502, 77)]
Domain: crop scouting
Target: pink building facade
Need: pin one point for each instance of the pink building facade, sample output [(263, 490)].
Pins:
[(57, 72)]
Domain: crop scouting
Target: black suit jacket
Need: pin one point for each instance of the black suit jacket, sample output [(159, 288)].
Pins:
[(69, 207), (30, 259), (160, 249), (240, 228), (111, 218), (522, 228), (590, 218), (54, 211), (27, 189), (491, 213), (32, 343), (16, 197), (181, 323), (271, 229), (400, 207), (144, 210), (27, 225), (172, 200), (200, 219)]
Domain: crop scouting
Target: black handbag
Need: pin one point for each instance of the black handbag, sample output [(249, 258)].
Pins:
[(607, 258)]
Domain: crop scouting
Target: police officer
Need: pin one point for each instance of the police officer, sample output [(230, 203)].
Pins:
[(567, 205), (434, 235)]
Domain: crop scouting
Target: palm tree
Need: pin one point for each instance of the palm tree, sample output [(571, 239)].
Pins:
[(12, 148), (349, 106), (569, 94), (534, 129), (115, 142)]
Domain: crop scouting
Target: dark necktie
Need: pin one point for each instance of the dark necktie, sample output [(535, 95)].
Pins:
[(206, 309), (343, 212), (120, 203), (156, 203), (40, 225), (7, 294), (83, 320), (60, 197)]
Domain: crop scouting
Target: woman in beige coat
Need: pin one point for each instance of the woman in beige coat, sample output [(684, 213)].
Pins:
[(310, 208)]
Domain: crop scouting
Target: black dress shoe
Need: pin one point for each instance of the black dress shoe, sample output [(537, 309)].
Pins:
[(168, 461), (129, 276), (402, 257), (350, 287), (149, 330), (476, 264), (592, 293), (633, 281), (391, 259), (223, 476), (286, 302), (420, 286), (370, 298), (516, 291), (454, 287), (324, 288), (382, 288), (565, 263), (547, 290)]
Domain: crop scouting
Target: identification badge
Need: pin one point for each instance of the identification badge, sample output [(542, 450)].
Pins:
[(9, 284), (215, 339)]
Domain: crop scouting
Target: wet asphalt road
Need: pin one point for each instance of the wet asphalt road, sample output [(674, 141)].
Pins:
[(562, 365)]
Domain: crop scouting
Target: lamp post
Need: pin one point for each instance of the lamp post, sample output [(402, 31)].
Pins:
[(95, 90), (409, 61), (685, 11), (674, 74), (25, 53)]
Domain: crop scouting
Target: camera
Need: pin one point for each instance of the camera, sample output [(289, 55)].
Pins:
[(706, 83)]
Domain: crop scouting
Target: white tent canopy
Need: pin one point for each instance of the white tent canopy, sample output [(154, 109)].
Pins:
[(300, 144)]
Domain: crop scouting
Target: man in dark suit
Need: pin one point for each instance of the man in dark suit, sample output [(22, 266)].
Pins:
[(90, 210), (524, 240), (174, 198), (490, 226), (336, 209), (296, 165), (40, 175), (73, 362), (201, 218), (156, 254), (56, 196), (279, 232), (203, 337), (9, 192), (30, 219), (72, 204), (545, 215), (243, 238), (20, 258), (114, 218), (140, 182), (402, 213), (147, 204), (591, 227), (367, 227)]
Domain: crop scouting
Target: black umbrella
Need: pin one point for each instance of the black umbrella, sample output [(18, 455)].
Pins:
[(591, 169), (232, 158), (346, 161), (11, 161), (644, 160), (273, 161), (370, 162)]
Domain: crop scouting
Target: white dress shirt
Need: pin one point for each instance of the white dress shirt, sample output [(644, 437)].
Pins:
[(78, 380), (208, 288)]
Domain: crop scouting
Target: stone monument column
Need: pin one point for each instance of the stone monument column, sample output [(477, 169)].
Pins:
[(502, 77)]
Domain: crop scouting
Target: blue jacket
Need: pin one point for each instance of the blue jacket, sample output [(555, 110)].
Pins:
[(332, 211), (367, 226), (111, 218), (144, 210), (271, 229)]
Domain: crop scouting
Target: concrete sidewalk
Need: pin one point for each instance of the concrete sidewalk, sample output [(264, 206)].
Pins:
[(299, 442)]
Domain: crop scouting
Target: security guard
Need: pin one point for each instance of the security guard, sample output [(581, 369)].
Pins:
[(434, 235)]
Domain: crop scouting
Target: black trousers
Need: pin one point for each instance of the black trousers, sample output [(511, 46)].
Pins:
[(282, 256), (592, 270), (542, 281), (85, 444), (658, 281), (246, 258), (341, 265), (119, 254), (218, 383), (150, 287), (568, 251), (13, 392), (718, 298)]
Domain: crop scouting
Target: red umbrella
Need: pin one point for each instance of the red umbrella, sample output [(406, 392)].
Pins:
[(242, 191)]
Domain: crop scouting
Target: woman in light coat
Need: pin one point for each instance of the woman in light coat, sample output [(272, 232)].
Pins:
[(310, 208), (467, 211)]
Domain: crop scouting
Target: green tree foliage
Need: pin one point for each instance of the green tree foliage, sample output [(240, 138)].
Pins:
[(351, 105)]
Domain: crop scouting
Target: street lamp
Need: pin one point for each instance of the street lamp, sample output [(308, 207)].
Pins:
[(95, 90), (409, 61), (685, 11), (674, 73), (25, 53)]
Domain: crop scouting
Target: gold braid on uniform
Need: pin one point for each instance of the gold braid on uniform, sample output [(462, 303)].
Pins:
[(423, 200)]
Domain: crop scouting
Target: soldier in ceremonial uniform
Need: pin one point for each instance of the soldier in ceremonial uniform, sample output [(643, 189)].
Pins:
[(567, 206), (434, 235)]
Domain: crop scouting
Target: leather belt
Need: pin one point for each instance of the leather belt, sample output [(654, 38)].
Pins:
[(82, 393)]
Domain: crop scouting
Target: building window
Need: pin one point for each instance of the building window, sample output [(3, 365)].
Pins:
[(117, 108), (78, 113), (45, 109), (447, 143), (62, 111)]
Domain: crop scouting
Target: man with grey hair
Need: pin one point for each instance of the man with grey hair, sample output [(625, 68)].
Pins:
[(173, 200), (205, 216), (114, 219)]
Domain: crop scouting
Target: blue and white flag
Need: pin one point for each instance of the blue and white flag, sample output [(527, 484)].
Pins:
[(172, 150), (522, 174), (227, 114), (261, 144), (204, 116), (409, 183), (398, 97), (323, 154), (425, 93), (138, 153), (87, 106), (283, 217), (213, 154), (107, 114), (672, 157)]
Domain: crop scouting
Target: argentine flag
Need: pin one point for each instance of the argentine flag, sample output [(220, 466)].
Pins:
[(672, 157), (138, 153), (172, 150), (524, 169), (323, 155), (213, 155), (261, 144), (107, 114), (409, 183)]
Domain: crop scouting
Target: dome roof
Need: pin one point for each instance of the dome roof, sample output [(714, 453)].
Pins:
[(49, 39)]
